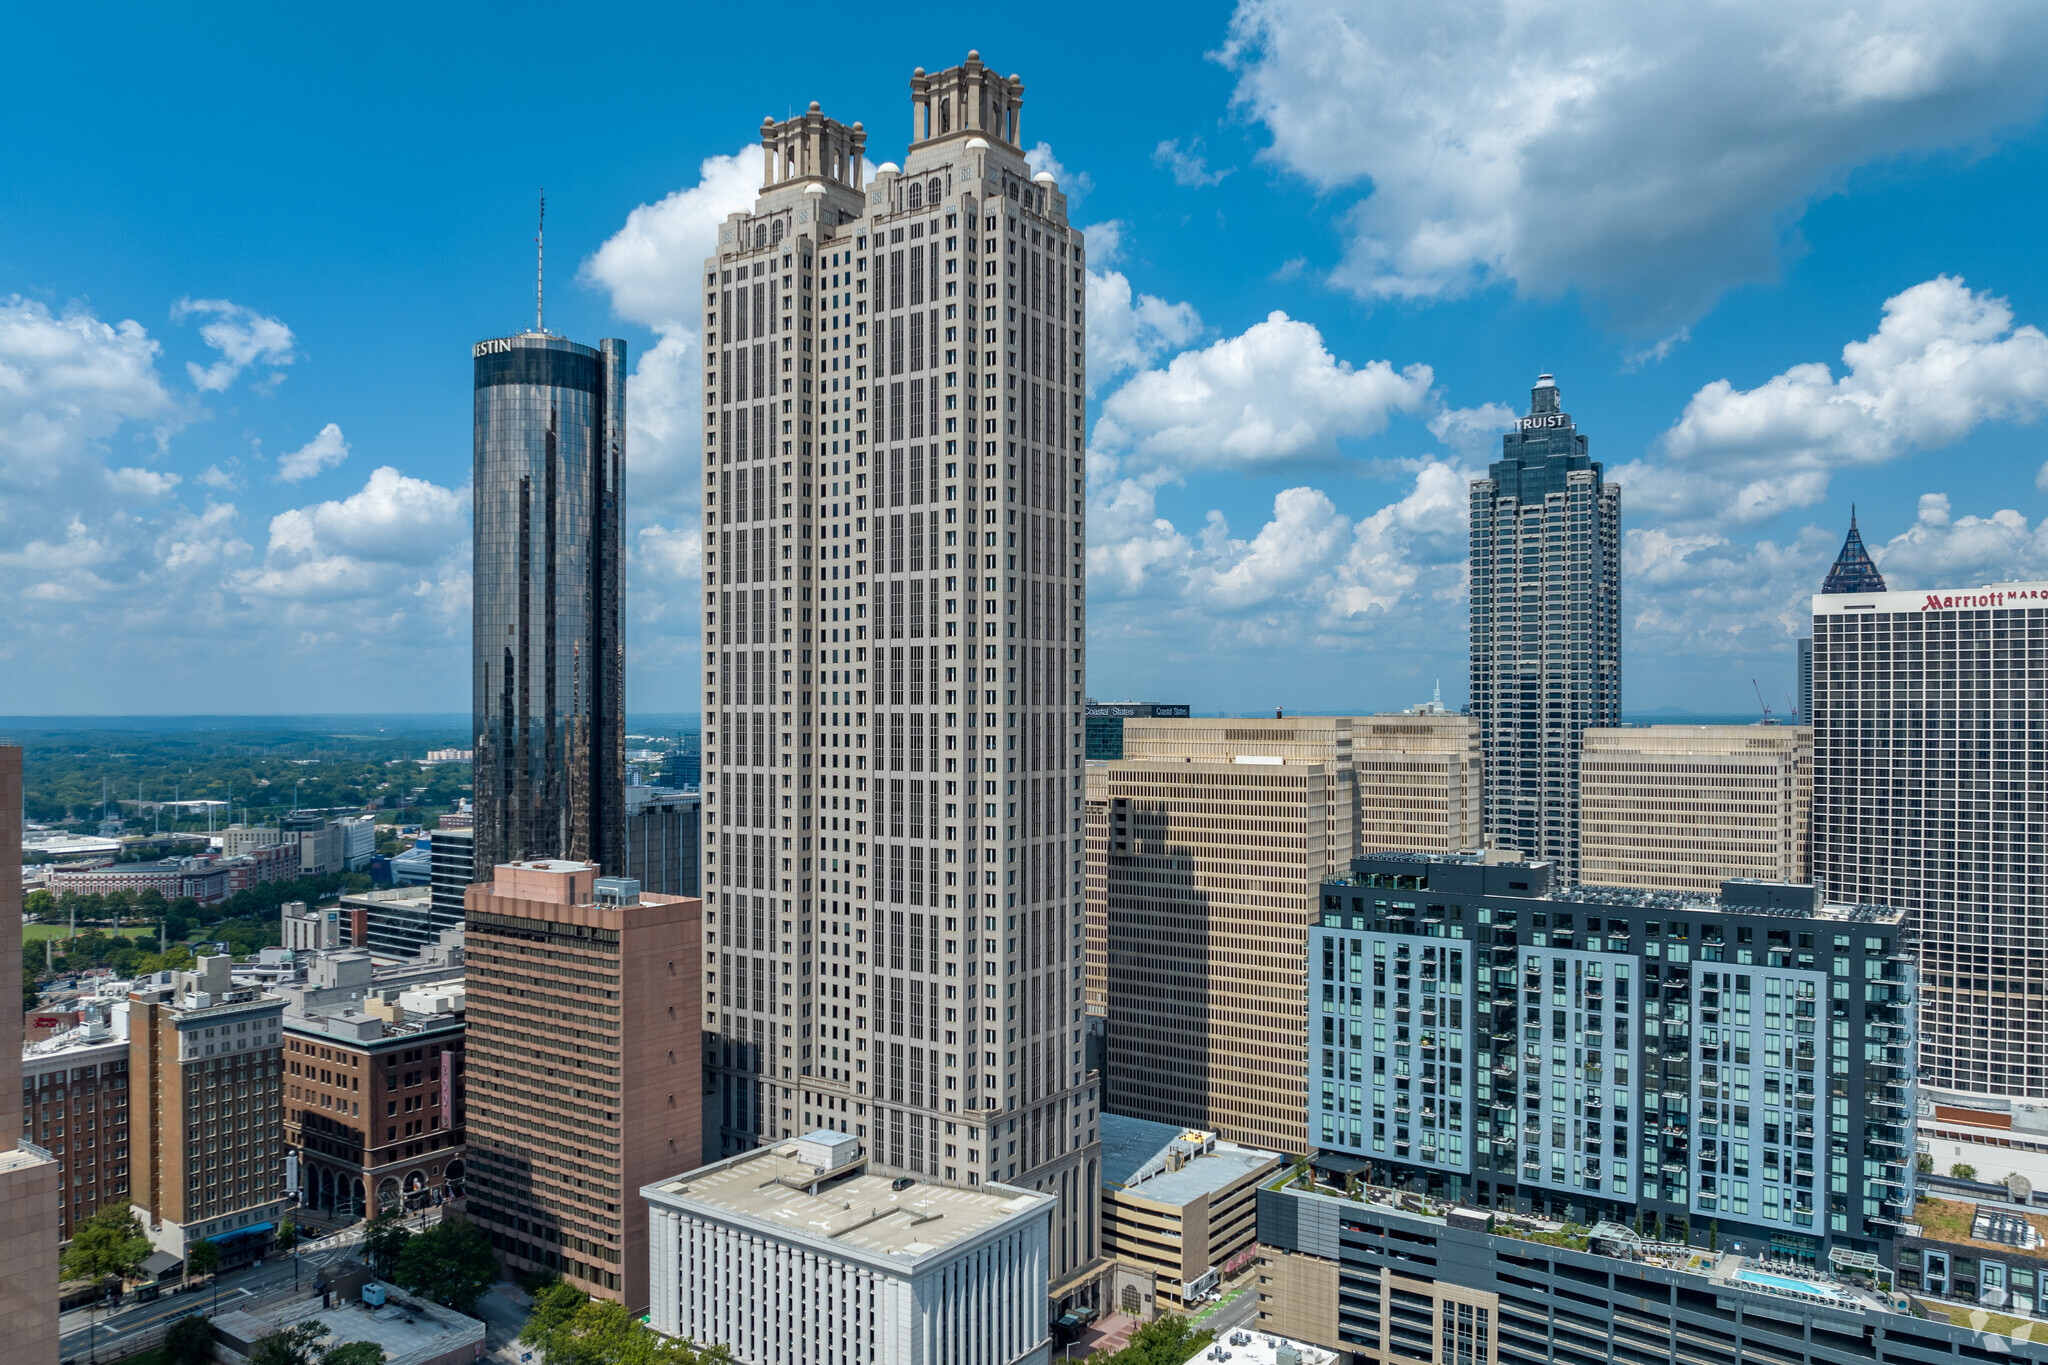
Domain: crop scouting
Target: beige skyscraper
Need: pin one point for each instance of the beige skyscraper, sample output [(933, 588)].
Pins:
[(894, 620), (1684, 807), (1096, 869), (1419, 781), (28, 1174), (1220, 833)]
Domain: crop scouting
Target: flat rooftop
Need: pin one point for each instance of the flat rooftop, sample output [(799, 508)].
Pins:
[(1131, 1146), (859, 1211), (410, 1329)]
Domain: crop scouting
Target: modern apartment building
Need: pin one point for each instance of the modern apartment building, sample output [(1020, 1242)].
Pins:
[(1686, 807), (1546, 626), (1929, 790), (581, 1067), (894, 623), (74, 1105), (28, 1174), (1736, 1065), (452, 855), (205, 1111), (1220, 835), (374, 1090), (1420, 780), (797, 1251), (547, 659)]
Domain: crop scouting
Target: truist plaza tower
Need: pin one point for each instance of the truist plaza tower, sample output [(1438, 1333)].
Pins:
[(547, 669)]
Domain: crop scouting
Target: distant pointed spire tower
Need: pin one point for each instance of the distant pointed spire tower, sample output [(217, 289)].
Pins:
[(1853, 571)]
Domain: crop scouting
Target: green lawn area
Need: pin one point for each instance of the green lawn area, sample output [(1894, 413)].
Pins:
[(36, 933), (1981, 1320)]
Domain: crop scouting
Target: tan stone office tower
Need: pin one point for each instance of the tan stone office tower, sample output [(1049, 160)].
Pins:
[(1419, 781), (28, 1175), (1685, 807), (583, 1082), (1220, 832), (894, 624)]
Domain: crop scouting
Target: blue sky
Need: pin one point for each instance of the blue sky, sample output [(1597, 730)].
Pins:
[(1780, 259)]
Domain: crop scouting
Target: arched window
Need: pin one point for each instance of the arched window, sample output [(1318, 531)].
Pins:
[(760, 236), (775, 231), (915, 198), (1013, 189), (935, 192)]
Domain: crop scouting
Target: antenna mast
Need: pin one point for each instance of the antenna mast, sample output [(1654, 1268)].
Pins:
[(539, 260)]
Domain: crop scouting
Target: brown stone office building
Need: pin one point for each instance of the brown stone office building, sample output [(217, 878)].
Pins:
[(374, 1101), (584, 1077)]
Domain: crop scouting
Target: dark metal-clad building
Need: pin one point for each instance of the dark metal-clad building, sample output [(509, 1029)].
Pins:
[(1546, 626), (1105, 721), (1701, 1068), (550, 448)]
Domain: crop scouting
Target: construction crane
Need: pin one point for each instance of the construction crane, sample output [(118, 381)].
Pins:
[(1761, 702)]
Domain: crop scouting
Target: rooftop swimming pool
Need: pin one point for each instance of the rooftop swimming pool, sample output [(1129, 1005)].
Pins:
[(1787, 1285)]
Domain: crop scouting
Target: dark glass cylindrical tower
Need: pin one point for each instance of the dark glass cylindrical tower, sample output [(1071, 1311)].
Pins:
[(548, 668)]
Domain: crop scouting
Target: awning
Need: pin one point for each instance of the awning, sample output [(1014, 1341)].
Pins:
[(250, 1231), (1340, 1162)]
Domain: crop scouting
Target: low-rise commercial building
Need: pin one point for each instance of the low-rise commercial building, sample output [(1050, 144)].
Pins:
[(74, 1105), (374, 1090), (584, 1077), (793, 1252), (1390, 1282), (1178, 1206), (205, 1110), (203, 879)]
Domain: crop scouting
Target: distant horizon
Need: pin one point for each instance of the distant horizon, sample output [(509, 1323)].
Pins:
[(428, 721)]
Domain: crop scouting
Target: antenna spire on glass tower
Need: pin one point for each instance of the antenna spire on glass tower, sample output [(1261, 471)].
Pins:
[(540, 262)]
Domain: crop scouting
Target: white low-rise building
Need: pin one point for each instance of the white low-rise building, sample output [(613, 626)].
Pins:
[(795, 1255)]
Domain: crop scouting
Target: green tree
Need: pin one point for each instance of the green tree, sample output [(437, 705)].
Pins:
[(1924, 1164), (294, 1345), (554, 1305), (287, 1233), (201, 1258), (383, 1240), (353, 1353), (189, 1340), (108, 1244), (603, 1333), (450, 1263), (1963, 1170), (1166, 1340)]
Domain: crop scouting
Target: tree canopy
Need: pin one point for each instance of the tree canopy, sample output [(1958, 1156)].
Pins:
[(450, 1263), (110, 1243), (572, 1328), (1168, 1339), (383, 1240)]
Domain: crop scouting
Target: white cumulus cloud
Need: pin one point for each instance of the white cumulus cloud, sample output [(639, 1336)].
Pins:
[(243, 336), (324, 451), (1269, 397), (384, 537), (1943, 362), (1651, 156), (651, 265)]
